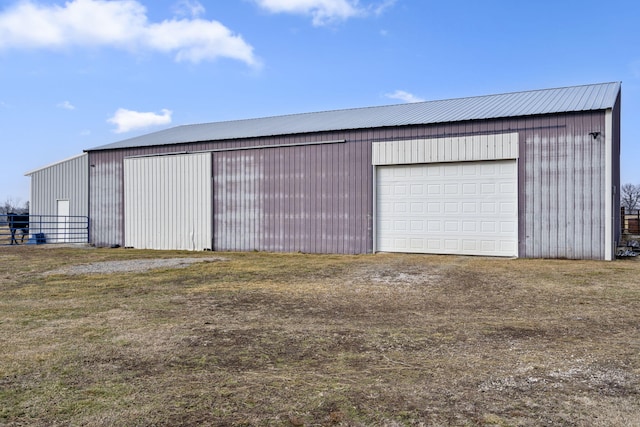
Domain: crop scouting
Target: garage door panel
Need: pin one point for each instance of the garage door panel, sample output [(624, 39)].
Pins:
[(416, 208), (467, 208), (400, 190), (385, 189), (417, 189)]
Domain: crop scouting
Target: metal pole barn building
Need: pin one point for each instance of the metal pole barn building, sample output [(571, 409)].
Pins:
[(529, 174)]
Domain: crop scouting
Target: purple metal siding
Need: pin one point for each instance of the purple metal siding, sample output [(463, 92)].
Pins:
[(562, 197), (318, 198), (290, 199), (617, 226), (312, 198), (106, 193)]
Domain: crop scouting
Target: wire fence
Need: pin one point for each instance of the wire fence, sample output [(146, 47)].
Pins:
[(23, 229)]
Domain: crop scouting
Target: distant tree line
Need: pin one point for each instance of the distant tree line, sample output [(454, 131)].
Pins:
[(630, 197), (11, 205)]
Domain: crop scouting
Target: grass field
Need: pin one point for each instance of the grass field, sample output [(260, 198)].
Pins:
[(5, 236), (270, 339)]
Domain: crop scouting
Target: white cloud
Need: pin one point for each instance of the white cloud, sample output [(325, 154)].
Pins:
[(198, 40), (188, 8), (66, 105), (127, 120), (404, 96), (380, 8), (122, 24), (324, 12)]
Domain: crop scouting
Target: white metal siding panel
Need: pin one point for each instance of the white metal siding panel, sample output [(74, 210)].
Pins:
[(451, 149), (465, 208), (168, 202), (67, 180)]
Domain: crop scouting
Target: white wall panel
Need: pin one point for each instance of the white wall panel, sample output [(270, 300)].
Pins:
[(450, 149), (65, 180), (168, 202)]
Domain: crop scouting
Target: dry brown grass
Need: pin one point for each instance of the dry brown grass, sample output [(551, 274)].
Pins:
[(5, 236), (272, 339)]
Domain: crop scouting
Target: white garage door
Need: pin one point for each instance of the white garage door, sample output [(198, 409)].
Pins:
[(467, 208)]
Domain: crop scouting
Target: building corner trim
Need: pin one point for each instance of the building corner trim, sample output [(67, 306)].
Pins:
[(608, 185)]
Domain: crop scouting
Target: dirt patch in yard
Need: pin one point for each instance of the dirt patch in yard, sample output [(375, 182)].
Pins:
[(130, 266), (316, 340)]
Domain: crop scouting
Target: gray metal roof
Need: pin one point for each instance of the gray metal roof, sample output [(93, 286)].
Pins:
[(546, 101), (50, 165)]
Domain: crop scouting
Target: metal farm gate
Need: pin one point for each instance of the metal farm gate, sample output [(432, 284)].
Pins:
[(43, 229), (630, 221)]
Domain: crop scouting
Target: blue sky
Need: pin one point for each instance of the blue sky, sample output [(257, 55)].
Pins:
[(83, 73)]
